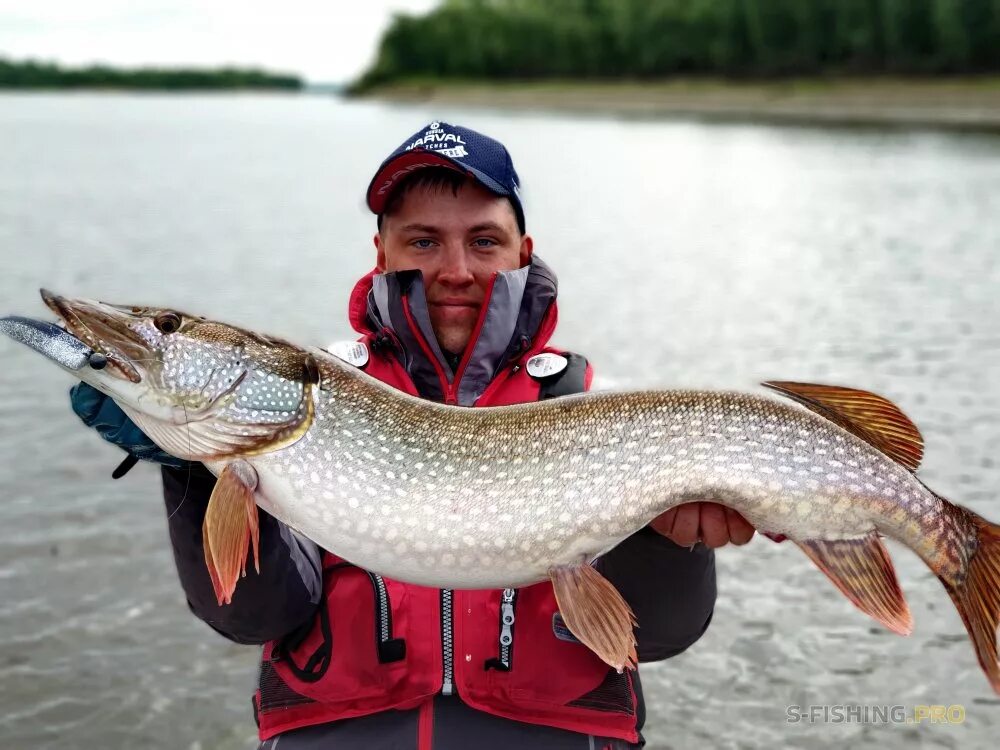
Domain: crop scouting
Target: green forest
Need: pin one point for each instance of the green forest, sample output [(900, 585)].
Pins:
[(649, 39), (31, 75)]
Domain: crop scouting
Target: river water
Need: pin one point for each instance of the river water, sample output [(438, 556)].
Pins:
[(689, 254)]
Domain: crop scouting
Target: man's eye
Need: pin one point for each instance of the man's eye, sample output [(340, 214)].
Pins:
[(484, 242), (423, 244)]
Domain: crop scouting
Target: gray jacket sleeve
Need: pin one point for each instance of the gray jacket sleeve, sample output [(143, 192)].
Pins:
[(268, 605), (670, 588)]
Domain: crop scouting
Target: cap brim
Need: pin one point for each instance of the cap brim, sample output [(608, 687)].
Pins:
[(394, 170)]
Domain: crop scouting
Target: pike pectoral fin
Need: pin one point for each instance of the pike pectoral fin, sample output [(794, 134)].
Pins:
[(862, 570), (231, 528), (596, 614)]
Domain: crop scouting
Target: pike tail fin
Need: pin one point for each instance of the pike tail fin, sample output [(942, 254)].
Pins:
[(976, 589)]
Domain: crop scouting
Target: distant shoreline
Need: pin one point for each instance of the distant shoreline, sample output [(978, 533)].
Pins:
[(950, 103), (33, 75)]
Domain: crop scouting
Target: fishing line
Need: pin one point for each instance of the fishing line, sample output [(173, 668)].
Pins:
[(190, 467), (98, 361), (187, 486)]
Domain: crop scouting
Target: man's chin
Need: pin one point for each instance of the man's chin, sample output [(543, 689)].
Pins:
[(453, 327), (452, 339)]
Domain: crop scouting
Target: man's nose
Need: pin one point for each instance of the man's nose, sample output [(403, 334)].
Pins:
[(455, 269)]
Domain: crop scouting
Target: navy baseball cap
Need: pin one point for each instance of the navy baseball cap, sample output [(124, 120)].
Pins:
[(441, 144)]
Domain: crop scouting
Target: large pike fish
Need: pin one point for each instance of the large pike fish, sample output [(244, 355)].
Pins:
[(453, 497)]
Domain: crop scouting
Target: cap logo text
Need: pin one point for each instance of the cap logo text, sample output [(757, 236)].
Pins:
[(436, 139)]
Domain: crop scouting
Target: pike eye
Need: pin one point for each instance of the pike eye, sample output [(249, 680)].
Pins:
[(167, 322)]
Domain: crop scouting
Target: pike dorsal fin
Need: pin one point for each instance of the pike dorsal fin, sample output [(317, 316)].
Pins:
[(869, 416)]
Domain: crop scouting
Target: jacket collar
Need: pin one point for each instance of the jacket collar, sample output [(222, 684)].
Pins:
[(519, 314)]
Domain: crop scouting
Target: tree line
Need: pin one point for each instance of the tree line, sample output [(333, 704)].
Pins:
[(531, 39), (32, 74)]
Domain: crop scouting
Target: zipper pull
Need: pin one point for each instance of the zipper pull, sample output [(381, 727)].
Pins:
[(507, 617)]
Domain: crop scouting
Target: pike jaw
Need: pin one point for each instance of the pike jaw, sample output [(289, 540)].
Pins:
[(201, 390)]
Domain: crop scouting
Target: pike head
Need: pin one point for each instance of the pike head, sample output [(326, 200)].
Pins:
[(201, 390)]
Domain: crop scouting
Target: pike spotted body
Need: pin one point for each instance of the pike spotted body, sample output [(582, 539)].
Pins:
[(504, 497), (491, 498)]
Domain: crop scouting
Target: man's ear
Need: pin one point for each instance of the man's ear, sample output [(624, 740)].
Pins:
[(379, 253), (527, 248)]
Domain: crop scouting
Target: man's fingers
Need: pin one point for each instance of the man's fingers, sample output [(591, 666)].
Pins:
[(714, 527), (711, 523), (664, 523), (686, 522), (86, 402), (740, 530)]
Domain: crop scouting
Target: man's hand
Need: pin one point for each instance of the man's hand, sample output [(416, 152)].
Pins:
[(711, 523), (104, 415)]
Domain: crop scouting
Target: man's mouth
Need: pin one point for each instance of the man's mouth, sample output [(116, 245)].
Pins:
[(455, 304), (454, 311)]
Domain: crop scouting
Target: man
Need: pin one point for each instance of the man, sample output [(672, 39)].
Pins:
[(458, 310)]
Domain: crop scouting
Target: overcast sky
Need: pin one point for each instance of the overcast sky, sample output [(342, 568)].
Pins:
[(323, 40)]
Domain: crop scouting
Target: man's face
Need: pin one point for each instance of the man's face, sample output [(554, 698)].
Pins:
[(458, 241)]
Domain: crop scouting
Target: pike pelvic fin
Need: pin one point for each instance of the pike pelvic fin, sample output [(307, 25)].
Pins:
[(977, 594), (871, 417), (596, 614), (231, 528), (862, 570)]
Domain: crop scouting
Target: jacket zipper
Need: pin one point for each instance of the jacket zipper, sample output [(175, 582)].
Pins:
[(447, 644), (505, 647), (425, 347), (383, 615), (389, 649), (507, 601), (473, 339), (449, 391)]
